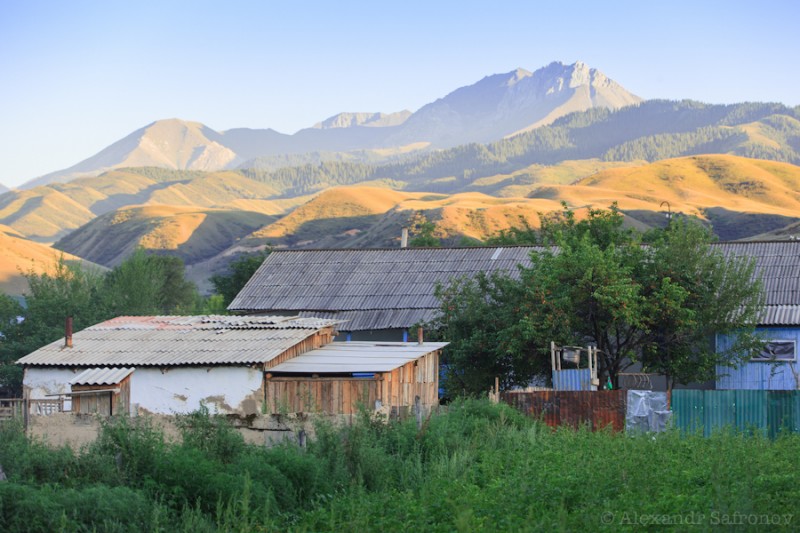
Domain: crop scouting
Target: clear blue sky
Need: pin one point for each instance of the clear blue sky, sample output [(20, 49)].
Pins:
[(79, 75)]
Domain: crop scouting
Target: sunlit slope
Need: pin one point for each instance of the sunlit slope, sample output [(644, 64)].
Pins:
[(691, 185), (366, 216), (191, 233), (19, 255), (47, 213)]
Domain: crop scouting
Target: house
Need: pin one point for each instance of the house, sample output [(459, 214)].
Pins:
[(382, 293), (241, 365), (777, 367), (378, 293)]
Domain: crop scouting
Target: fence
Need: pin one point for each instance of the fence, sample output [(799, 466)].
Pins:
[(597, 409), (751, 411), (11, 408)]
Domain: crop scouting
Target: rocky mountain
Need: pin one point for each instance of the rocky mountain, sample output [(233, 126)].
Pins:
[(373, 120), (495, 107), (506, 104), (3, 188)]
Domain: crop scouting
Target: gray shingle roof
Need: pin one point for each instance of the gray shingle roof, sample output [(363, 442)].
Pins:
[(371, 289), (386, 289), (179, 340)]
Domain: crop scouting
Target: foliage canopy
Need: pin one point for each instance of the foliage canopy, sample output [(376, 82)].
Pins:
[(594, 281)]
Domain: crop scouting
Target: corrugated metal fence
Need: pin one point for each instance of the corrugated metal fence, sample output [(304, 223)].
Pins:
[(597, 409), (751, 411)]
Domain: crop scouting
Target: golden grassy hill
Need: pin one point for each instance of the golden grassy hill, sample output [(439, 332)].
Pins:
[(691, 185), (46, 213), (367, 216), (19, 255), (188, 232)]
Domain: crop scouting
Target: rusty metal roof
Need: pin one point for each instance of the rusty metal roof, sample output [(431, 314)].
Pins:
[(179, 340), (348, 357), (371, 289), (101, 376)]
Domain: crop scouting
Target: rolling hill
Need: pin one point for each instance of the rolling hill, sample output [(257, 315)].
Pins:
[(191, 233), (19, 256), (47, 213)]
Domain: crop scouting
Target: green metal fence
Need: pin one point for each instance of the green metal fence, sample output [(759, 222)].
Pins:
[(751, 411)]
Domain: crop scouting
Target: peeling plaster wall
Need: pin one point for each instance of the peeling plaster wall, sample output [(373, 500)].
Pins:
[(42, 381), (181, 389)]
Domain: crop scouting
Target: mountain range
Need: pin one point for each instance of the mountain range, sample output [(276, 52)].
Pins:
[(476, 161), (494, 107)]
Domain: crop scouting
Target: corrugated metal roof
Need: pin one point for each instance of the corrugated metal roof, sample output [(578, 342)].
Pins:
[(101, 376), (344, 357), (179, 340), (386, 289), (371, 289)]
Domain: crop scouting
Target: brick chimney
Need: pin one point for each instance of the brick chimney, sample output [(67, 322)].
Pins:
[(68, 333)]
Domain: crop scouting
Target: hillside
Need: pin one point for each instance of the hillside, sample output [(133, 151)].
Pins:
[(47, 213), (191, 233), (19, 255)]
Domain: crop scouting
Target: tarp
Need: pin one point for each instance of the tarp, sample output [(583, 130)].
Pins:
[(646, 411)]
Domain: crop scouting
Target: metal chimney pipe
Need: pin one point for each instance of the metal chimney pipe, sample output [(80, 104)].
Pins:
[(404, 238), (68, 333), (419, 336)]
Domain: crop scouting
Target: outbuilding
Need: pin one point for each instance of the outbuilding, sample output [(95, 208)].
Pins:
[(175, 364)]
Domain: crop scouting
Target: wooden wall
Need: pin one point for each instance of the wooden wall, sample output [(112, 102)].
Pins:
[(342, 395), (105, 402)]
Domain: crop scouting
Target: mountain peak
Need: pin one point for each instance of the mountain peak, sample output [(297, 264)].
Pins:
[(372, 120)]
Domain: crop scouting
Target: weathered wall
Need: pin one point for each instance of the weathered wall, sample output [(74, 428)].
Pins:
[(39, 382), (76, 431), (224, 389), (171, 390), (762, 375)]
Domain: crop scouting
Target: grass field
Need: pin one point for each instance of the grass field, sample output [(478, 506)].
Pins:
[(478, 467)]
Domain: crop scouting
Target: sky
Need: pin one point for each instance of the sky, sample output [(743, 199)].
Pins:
[(77, 76)]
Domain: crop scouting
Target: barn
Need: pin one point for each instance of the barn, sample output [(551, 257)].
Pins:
[(243, 365)]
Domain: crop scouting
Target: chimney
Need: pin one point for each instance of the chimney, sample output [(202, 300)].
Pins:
[(419, 336), (404, 238), (68, 333)]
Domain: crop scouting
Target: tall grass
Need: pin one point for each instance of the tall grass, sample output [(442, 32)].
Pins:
[(477, 467)]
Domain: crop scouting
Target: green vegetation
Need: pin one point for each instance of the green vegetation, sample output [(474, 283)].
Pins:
[(239, 273), (657, 304), (478, 467)]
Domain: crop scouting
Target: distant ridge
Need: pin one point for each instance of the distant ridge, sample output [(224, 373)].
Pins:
[(495, 107)]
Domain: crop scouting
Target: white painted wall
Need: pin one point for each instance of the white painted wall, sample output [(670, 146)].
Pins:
[(181, 389), (175, 390), (41, 381)]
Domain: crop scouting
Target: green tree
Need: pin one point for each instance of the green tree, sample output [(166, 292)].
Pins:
[(659, 304), (239, 273), (423, 231), (146, 284), (10, 374)]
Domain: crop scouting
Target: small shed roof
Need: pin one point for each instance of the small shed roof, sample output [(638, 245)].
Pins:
[(179, 340), (348, 357), (101, 376), (371, 289)]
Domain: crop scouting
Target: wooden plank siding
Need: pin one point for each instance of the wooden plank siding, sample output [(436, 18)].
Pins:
[(345, 395), (318, 340), (106, 402)]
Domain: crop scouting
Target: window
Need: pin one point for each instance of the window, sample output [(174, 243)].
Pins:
[(777, 351)]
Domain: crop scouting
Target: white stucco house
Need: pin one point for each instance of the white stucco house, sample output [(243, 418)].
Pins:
[(242, 365)]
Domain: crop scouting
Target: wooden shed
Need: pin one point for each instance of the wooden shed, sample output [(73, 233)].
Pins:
[(342, 378), (103, 391)]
